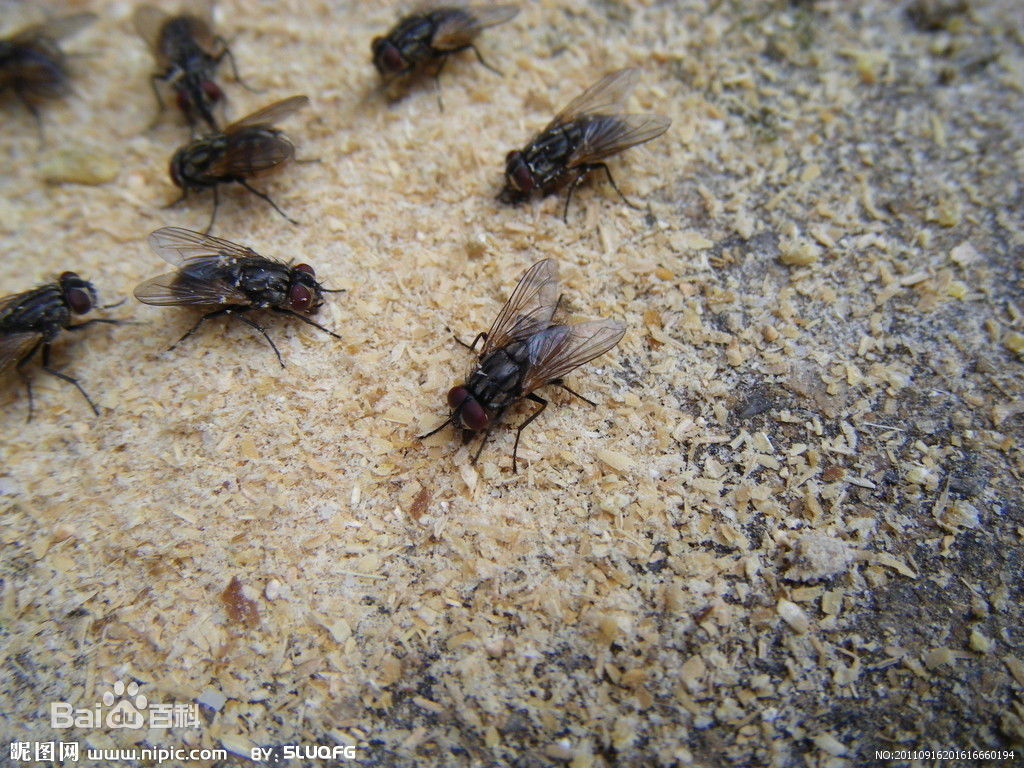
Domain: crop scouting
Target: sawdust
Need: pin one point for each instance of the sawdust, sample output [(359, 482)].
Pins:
[(790, 532)]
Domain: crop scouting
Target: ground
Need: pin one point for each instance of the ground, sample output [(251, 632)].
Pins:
[(788, 534)]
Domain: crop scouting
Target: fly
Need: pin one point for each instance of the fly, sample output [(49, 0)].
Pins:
[(425, 39), (228, 279), (247, 148), (33, 65), (188, 53), (591, 128), (524, 350), (31, 320)]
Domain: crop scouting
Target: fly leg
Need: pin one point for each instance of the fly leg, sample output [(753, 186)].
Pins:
[(65, 377), (561, 384), (160, 107), (213, 213), (226, 51), (480, 58), (608, 173), (306, 320), (582, 174), (87, 323), (249, 321), (266, 197), (25, 377), (34, 111), (203, 319), (525, 424), (437, 82), (471, 347), (483, 441)]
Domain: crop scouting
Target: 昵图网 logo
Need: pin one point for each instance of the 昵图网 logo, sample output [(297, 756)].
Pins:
[(124, 707)]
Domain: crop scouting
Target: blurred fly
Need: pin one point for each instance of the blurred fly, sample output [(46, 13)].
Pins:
[(591, 128), (228, 279), (188, 53), (33, 65), (426, 38), (31, 320), (247, 148), (524, 350)]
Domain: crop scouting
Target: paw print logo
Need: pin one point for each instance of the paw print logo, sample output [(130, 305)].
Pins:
[(125, 712)]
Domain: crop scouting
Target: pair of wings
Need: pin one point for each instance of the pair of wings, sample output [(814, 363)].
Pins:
[(461, 25), (149, 23), (198, 258), (258, 151), (608, 130), (14, 345), (554, 350), (54, 29)]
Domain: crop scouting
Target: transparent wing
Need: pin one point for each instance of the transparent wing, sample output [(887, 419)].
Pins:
[(184, 248), (251, 152), (56, 29), (529, 308), (606, 135), (462, 25), (13, 346), (606, 96), (560, 349), (270, 114), (149, 23), (184, 289)]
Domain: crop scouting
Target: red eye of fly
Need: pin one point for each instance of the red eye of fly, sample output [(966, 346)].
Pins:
[(474, 416), (79, 301), (391, 59), (304, 268), (212, 90), (300, 298), (457, 396), (521, 177), (182, 98)]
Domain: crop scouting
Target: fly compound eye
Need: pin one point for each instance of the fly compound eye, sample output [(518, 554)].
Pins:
[(390, 58), (521, 177), (457, 396), (79, 300), (305, 268), (212, 91), (474, 416), (300, 298)]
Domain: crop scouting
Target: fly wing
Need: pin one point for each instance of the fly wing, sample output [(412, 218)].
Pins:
[(149, 23), (606, 96), (462, 25), (528, 310), (252, 151), (270, 114), (606, 135), (184, 248), (188, 289), (555, 352), (56, 29), (13, 346)]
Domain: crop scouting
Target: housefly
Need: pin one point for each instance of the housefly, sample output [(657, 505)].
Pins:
[(31, 320), (228, 279), (524, 350), (188, 53), (33, 65), (245, 149), (427, 37), (592, 127)]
